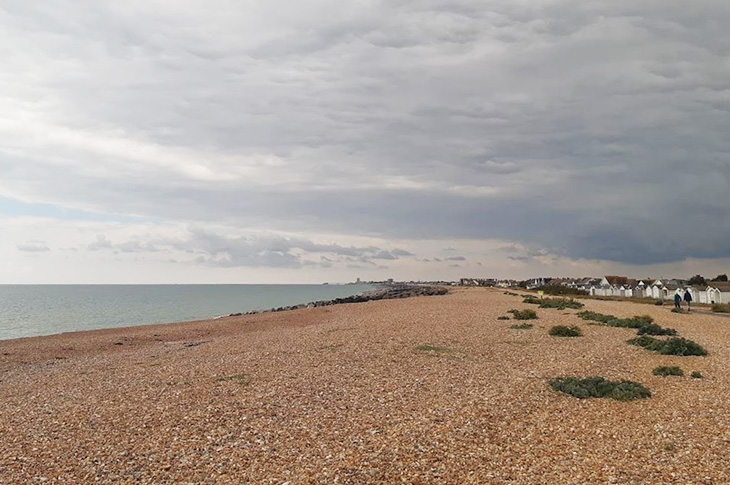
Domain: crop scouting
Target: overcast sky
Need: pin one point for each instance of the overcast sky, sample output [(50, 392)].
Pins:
[(306, 141)]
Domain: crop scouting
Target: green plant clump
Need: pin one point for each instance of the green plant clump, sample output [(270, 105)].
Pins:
[(671, 346), (643, 323), (696, 375), (667, 371), (522, 326), (240, 379), (557, 303), (565, 331), (595, 317), (592, 387), (531, 300), (654, 329), (524, 314), (560, 303), (720, 308), (434, 349), (503, 317)]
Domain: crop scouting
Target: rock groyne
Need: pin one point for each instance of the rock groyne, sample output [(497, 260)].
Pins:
[(385, 293)]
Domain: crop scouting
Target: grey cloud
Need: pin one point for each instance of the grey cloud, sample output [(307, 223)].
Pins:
[(498, 168), (456, 258), (384, 255), (101, 242), (587, 129), (33, 247), (136, 247), (258, 250)]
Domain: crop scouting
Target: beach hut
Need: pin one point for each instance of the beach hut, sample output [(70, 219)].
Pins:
[(696, 293), (656, 291), (670, 289), (629, 288), (643, 288), (718, 292)]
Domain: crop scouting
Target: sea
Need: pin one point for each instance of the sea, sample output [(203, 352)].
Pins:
[(32, 310)]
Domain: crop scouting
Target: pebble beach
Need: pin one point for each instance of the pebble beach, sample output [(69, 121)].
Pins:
[(431, 389)]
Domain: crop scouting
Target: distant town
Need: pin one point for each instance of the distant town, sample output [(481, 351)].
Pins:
[(702, 290)]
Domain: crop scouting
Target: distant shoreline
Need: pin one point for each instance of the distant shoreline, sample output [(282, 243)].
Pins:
[(383, 292), (36, 310)]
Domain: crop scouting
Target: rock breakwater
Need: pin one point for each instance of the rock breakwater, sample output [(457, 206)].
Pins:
[(384, 293)]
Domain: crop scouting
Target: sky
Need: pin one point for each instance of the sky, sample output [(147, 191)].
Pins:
[(247, 141)]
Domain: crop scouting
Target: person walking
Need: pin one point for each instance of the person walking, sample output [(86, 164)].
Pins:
[(688, 299), (677, 301)]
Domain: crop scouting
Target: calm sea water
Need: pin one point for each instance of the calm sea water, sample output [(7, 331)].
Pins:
[(29, 310)]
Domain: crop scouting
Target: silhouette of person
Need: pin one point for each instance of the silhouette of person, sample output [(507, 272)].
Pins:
[(688, 298), (677, 301)]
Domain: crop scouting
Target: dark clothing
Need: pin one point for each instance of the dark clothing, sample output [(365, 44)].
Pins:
[(688, 299), (677, 301)]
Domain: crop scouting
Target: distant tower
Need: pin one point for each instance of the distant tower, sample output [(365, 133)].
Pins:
[(357, 281)]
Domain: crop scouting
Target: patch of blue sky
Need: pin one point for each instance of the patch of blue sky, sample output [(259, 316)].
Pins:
[(17, 208)]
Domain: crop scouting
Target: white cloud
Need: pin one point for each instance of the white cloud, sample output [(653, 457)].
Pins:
[(33, 247)]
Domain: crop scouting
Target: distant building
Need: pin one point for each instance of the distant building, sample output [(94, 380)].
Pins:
[(477, 282)]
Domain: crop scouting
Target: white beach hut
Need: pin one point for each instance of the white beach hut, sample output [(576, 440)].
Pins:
[(718, 292)]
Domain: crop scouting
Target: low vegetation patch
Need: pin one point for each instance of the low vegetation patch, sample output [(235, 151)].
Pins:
[(677, 310), (696, 375), (565, 331), (522, 326), (595, 317), (511, 293), (643, 323), (503, 317), (561, 303), (667, 371), (524, 314), (721, 308), (558, 303), (671, 346), (435, 350), (592, 387), (240, 379), (654, 329)]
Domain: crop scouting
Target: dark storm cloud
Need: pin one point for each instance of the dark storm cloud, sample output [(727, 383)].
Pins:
[(583, 128)]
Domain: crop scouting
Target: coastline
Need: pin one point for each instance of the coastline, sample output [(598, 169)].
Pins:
[(34, 310), (384, 292), (344, 391)]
